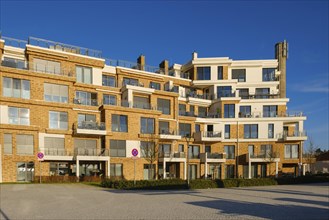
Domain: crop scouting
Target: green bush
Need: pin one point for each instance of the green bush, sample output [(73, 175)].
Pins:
[(203, 184), (303, 179)]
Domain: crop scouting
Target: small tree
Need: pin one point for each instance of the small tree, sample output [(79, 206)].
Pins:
[(271, 156), (310, 153), (150, 152)]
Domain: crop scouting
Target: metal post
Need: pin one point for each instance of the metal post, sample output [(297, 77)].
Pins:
[(40, 172), (134, 172)]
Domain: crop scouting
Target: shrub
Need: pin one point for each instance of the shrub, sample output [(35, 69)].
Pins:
[(56, 179), (145, 184), (303, 179), (203, 184)]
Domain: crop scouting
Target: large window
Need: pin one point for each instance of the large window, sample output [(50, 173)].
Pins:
[(54, 146), (117, 148), (224, 91), (250, 131), (130, 81), (147, 125), (239, 74), (19, 116), (229, 111), (56, 93), (266, 150), (14, 63), (182, 109), (229, 171), (262, 93), (185, 129), (165, 149), (86, 117), (8, 143), (203, 73), (243, 93), (58, 120), (155, 85), (85, 98), (85, 147), (148, 149), (227, 132), (108, 81), (220, 72), (109, 99), (268, 74), (116, 170), (270, 110), (291, 151), (47, 66), (164, 106), (245, 111), (194, 151), (230, 151), (24, 144), (270, 130), (17, 88), (202, 111), (120, 123), (84, 74), (141, 102), (164, 127)]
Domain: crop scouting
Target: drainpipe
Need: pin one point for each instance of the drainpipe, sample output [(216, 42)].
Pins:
[(237, 145)]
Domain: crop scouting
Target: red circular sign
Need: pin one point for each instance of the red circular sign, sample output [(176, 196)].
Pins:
[(40, 155), (134, 152)]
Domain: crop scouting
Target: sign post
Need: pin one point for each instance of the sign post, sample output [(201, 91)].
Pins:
[(40, 156), (134, 153)]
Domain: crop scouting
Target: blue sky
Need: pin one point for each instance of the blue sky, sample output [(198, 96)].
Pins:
[(173, 30)]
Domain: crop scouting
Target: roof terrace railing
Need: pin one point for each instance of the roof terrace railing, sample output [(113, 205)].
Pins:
[(64, 47), (14, 42)]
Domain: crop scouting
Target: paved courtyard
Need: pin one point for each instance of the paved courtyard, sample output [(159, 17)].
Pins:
[(78, 201)]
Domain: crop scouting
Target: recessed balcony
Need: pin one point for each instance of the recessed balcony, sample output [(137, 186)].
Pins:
[(213, 157), (293, 136), (56, 154), (265, 157), (90, 127), (208, 136), (169, 135), (172, 157)]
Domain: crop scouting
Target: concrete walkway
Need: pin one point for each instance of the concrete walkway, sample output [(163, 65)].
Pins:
[(78, 201)]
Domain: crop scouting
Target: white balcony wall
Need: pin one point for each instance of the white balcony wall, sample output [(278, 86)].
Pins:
[(4, 114), (97, 76)]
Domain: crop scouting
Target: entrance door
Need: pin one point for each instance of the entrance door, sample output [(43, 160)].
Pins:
[(193, 172), (215, 171), (263, 170), (25, 172)]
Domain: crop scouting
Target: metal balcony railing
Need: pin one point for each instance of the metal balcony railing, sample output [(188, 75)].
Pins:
[(211, 134), (265, 155), (91, 125), (172, 155), (55, 152), (64, 47), (286, 134), (256, 114), (91, 102), (168, 132), (91, 152), (14, 42), (215, 156)]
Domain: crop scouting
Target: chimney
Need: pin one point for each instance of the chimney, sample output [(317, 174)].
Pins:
[(194, 55), (165, 66), (281, 54), (141, 62)]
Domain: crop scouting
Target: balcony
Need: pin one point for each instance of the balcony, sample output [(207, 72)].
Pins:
[(169, 135), (64, 47), (92, 152), (135, 66), (14, 42), (172, 157), (213, 157), (143, 105), (90, 127), (269, 114), (56, 154), (259, 96), (293, 136), (188, 114), (90, 102), (263, 157), (208, 136)]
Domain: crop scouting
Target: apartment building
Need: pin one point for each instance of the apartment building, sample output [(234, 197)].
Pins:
[(208, 118)]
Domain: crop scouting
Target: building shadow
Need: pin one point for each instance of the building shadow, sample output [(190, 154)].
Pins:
[(305, 201)]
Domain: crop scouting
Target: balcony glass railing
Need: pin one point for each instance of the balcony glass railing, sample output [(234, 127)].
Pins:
[(14, 42), (168, 132), (91, 125), (286, 134), (269, 114), (215, 155), (56, 152), (91, 152), (211, 134), (143, 105), (80, 101), (265, 155), (225, 94), (64, 47), (172, 155)]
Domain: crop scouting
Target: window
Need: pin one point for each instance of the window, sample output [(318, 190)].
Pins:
[(84, 74), (117, 148), (202, 111), (85, 147), (148, 149), (182, 109), (194, 151), (229, 171), (17, 88), (185, 129), (116, 170), (120, 123), (165, 149), (130, 81), (268, 74), (181, 148), (164, 127), (229, 111), (58, 120), (8, 143), (54, 146), (239, 74), (24, 144), (197, 127), (14, 63), (164, 106), (192, 110), (245, 111), (207, 149), (86, 121), (155, 85), (108, 81), (25, 171), (141, 102), (230, 151), (219, 72), (109, 99), (251, 150), (270, 110), (193, 174), (19, 116), (243, 93), (85, 98), (266, 150), (203, 73), (224, 91), (56, 93), (262, 93), (270, 130), (250, 131), (291, 151), (227, 131), (147, 125), (59, 169), (47, 66)]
